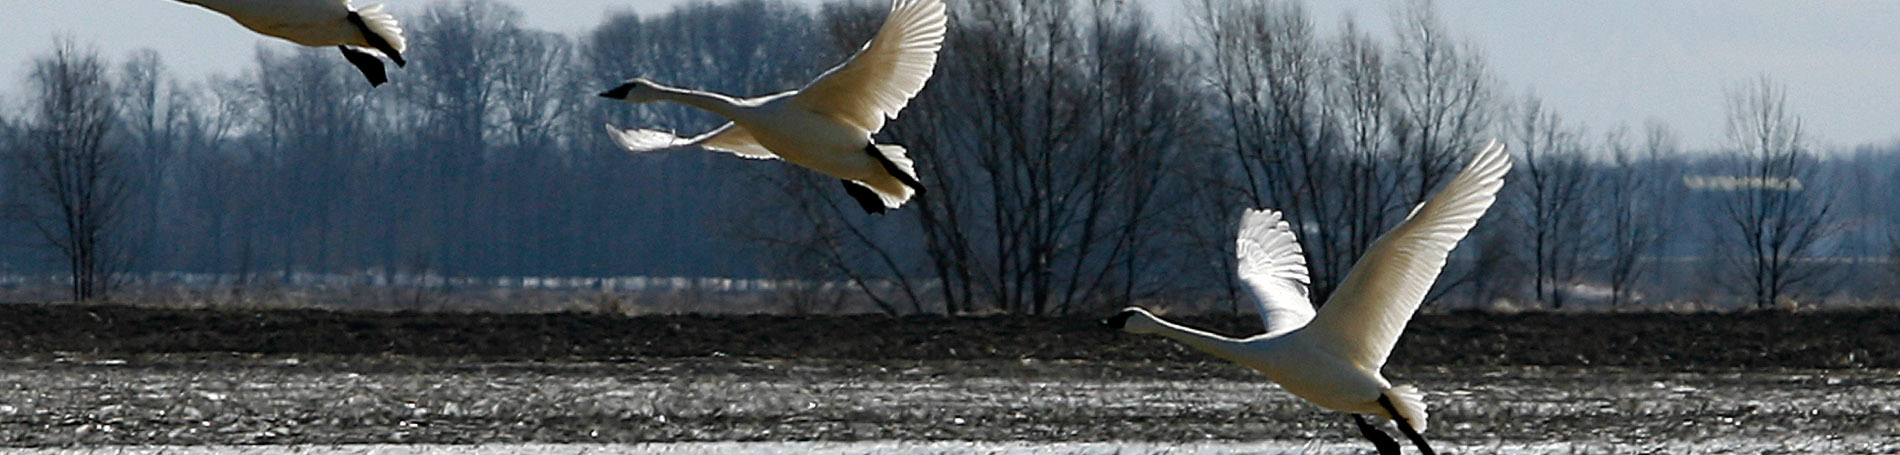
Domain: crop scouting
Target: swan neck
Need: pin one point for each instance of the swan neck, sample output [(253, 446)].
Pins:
[(723, 105), (1208, 342)]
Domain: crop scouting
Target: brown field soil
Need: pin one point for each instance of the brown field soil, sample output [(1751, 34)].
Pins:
[(1673, 341)]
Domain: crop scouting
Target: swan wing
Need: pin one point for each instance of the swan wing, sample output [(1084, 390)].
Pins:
[(736, 140), (1364, 317), (727, 138), (882, 77), (1274, 270)]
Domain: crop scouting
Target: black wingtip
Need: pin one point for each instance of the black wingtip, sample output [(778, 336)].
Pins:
[(371, 67)]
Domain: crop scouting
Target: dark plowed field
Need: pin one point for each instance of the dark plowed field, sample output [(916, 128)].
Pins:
[(1832, 339)]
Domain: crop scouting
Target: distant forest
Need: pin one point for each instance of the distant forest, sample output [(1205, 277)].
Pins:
[(1077, 158)]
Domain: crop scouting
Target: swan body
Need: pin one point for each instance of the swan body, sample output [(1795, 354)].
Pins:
[(1332, 357), (827, 125), (362, 34)]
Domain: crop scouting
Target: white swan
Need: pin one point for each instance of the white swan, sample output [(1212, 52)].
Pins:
[(361, 33), (1332, 357), (826, 126)]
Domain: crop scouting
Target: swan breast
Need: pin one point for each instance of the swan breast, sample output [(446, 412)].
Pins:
[(1322, 377), (812, 140)]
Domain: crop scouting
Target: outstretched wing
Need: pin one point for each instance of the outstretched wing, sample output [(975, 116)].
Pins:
[(1271, 265), (1364, 317), (727, 138), (877, 82)]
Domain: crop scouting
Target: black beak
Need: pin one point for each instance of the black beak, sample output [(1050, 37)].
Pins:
[(1119, 320), (618, 92)]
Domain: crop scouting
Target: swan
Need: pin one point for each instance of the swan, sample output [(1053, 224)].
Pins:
[(1332, 357), (827, 125), (362, 34)]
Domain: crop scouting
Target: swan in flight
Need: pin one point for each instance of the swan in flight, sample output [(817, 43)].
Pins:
[(827, 125), (363, 34), (1332, 357)]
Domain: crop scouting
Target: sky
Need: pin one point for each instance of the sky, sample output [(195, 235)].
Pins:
[(1599, 64)]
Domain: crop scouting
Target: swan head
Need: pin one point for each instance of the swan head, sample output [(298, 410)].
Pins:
[(1132, 320), (636, 90)]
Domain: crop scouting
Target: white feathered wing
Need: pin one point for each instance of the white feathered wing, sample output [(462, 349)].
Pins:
[(1364, 317), (1274, 270), (727, 138), (882, 77)]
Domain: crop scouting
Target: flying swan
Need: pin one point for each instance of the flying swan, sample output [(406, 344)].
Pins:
[(362, 34), (827, 125), (1332, 357)]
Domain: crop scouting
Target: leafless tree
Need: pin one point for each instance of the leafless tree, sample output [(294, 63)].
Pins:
[(1626, 199), (1553, 185), (1270, 71), (1332, 132), (314, 115), (150, 111), (75, 188), (458, 50), (535, 95), (1443, 93), (1363, 107), (1776, 215)]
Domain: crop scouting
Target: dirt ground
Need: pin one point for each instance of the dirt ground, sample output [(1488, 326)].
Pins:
[(86, 375), (229, 399), (1834, 339)]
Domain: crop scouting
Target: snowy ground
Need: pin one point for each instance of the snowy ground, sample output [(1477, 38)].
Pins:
[(287, 405)]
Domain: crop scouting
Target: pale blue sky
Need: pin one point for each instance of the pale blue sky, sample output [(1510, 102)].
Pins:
[(1600, 63)]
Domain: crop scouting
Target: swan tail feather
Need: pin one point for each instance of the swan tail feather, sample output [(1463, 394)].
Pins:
[(1410, 403), (898, 164), (381, 31)]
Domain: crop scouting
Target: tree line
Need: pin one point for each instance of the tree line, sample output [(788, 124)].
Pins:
[(1078, 156)]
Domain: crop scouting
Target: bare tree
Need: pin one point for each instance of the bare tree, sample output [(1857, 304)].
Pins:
[(1293, 149), (1554, 183), (73, 177), (534, 97), (1443, 94), (150, 114), (1626, 200), (1331, 132), (314, 114), (1775, 214), (1363, 107)]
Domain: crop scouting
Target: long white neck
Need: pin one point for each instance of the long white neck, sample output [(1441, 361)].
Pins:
[(1220, 346), (723, 105)]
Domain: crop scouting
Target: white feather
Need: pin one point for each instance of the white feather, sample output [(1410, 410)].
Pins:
[(882, 77), (1364, 316), (1274, 270), (726, 138), (383, 24)]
